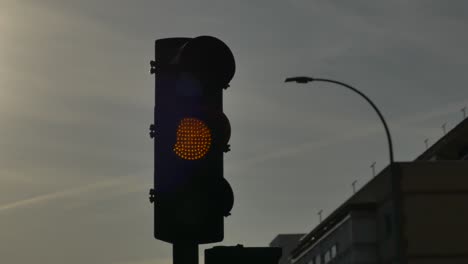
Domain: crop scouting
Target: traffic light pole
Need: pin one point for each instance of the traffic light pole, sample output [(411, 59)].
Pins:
[(185, 253)]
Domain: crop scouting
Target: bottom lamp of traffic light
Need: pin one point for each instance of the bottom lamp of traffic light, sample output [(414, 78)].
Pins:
[(193, 139)]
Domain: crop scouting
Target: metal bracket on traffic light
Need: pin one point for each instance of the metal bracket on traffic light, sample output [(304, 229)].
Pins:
[(152, 132), (153, 67), (227, 148), (152, 193)]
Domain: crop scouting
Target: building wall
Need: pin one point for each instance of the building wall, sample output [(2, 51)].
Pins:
[(364, 237), (340, 236), (354, 239), (435, 210), (437, 225), (386, 232)]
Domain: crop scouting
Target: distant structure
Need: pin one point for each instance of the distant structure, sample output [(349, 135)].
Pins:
[(452, 146), (286, 242), (434, 216)]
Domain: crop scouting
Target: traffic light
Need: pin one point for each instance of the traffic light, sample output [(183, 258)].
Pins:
[(191, 133)]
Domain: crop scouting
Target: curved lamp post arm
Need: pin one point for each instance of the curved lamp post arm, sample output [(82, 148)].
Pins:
[(387, 131), (396, 178)]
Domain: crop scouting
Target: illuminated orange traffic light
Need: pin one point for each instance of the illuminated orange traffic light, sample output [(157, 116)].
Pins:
[(193, 139), (191, 134)]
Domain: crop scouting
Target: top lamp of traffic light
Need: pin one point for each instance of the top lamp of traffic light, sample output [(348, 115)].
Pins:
[(193, 139), (209, 59)]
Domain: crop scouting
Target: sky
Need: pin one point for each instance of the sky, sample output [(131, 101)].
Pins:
[(76, 101)]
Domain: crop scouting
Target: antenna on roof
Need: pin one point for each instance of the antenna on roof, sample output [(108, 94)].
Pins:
[(443, 128), (354, 186), (373, 168), (425, 142), (464, 112), (320, 215)]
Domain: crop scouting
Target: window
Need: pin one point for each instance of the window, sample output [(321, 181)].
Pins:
[(318, 259), (334, 251), (327, 256)]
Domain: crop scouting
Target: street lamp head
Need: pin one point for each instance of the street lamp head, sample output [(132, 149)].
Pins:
[(299, 79)]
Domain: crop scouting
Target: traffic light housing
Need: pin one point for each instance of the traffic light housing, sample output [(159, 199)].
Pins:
[(242, 255), (191, 133)]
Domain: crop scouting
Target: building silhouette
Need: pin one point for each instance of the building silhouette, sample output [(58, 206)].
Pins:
[(287, 242), (432, 216)]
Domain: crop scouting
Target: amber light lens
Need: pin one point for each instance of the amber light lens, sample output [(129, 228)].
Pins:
[(193, 139)]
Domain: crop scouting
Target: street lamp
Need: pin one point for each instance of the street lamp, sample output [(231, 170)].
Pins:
[(395, 177), (304, 79)]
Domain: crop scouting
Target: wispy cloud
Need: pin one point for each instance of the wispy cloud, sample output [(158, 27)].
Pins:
[(60, 195)]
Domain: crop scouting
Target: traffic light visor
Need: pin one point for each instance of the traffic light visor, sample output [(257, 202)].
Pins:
[(193, 139), (210, 59)]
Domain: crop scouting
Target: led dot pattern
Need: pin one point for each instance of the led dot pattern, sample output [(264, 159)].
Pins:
[(193, 139)]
